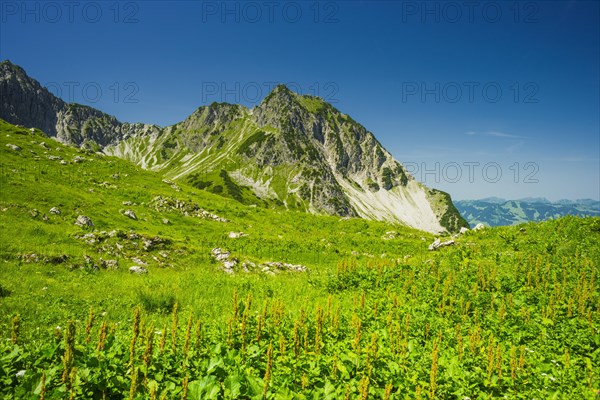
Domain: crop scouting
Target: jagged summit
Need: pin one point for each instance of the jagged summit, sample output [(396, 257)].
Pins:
[(291, 151)]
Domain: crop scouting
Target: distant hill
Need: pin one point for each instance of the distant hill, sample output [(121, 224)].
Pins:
[(495, 211)]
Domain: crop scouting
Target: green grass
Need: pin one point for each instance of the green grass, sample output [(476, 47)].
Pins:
[(505, 312)]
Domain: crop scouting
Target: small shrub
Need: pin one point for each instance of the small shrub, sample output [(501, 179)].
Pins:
[(157, 302)]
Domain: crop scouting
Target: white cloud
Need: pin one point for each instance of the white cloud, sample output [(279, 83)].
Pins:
[(496, 134)]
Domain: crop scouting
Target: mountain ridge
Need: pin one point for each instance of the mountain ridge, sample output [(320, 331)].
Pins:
[(500, 212), (295, 151)]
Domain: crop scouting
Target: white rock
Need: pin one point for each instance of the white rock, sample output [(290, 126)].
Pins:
[(13, 147), (464, 230), (82, 220), (479, 227), (54, 211), (437, 244), (136, 269), (130, 214), (235, 235)]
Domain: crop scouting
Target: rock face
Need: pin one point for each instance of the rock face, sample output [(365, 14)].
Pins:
[(23, 101), (296, 151)]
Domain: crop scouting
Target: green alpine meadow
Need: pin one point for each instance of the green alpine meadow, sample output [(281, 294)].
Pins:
[(274, 252)]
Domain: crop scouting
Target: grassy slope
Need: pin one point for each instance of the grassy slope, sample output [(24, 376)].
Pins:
[(535, 291), (315, 241)]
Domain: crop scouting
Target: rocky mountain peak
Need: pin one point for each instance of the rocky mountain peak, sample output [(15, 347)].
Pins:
[(297, 151)]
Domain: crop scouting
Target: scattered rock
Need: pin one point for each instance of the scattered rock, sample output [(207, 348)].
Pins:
[(13, 147), (247, 266), (136, 269), (29, 258), (166, 221), (479, 227), (109, 264), (34, 213), (522, 230), (89, 238), (151, 243), (54, 158), (229, 265), (78, 159), (464, 230), (235, 235), (172, 184), (389, 235), (54, 211), (130, 214), (127, 203), (220, 254), (82, 221), (276, 265), (63, 162), (437, 244), (57, 259), (160, 203), (138, 261)]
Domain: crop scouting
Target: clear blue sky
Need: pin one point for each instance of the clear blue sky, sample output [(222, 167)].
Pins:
[(476, 88)]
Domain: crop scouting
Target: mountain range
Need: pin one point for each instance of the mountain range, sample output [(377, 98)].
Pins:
[(494, 211), (290, 151)]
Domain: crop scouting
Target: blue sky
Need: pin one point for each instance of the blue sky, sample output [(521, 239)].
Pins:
[(476, 98)]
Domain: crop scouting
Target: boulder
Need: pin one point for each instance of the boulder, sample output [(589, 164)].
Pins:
[(438, 243), (464, 230), (83, 221), (54, 211), (235, 235), (229, 265), (109, 264), (479, 227), (220, 254), (390, 235), (13, 147), (136, 269), (130, 214)]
